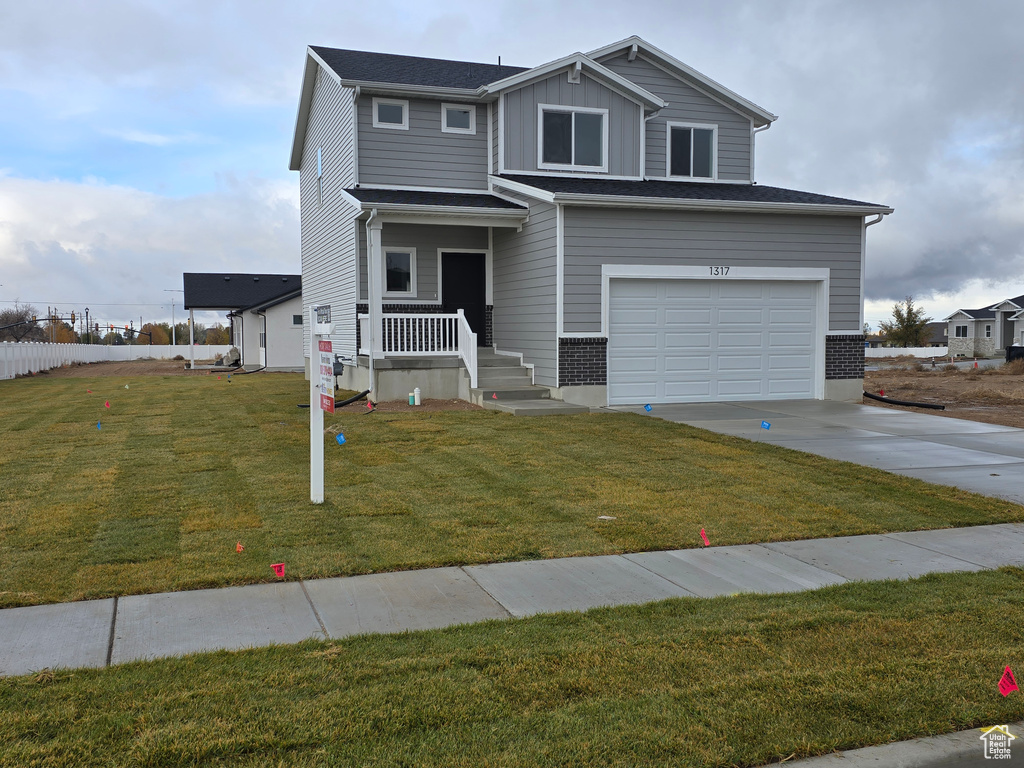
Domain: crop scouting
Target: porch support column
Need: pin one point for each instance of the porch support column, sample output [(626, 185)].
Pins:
[(374, 270), (191, 339)]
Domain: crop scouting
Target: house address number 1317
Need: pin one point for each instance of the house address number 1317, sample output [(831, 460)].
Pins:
[(719, 271)]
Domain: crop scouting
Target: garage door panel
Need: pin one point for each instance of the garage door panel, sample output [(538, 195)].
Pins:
[(686, 340)]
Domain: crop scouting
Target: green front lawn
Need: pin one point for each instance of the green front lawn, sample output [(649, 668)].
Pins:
[(185, 467), (726, 682)]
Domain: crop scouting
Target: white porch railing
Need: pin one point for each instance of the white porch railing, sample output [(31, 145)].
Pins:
[(424, 336)]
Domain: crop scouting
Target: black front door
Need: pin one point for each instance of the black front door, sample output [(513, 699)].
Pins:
[(463, 286)]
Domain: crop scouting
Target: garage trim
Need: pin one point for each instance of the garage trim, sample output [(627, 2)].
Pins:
[(610, 272)]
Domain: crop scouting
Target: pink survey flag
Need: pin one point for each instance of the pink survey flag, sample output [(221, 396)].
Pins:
[(494, 396), (278, 570), (705, 537), (1007, 684), (107, 403)]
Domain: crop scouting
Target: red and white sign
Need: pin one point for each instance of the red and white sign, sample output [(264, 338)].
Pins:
[(326, 376)]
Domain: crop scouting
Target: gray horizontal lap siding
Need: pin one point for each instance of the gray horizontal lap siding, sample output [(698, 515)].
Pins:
[(596, 236), (525, 292), (327, 231), (687, 104), (427, 240), (422, 156), (521, 119)]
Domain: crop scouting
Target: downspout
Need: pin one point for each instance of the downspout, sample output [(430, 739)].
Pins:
[(266, 340), (355, 139), (372, 308), (864, 260), (752, 133), (643, 146)]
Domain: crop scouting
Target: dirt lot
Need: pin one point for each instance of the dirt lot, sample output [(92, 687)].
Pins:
[(994, 396)]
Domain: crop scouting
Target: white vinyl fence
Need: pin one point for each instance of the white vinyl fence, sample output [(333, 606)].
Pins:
[(18, 358), (927, 352)]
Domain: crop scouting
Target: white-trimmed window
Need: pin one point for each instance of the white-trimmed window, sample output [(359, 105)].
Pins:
[(961, 331), (390, 113), (399, 272), (319, 177), (296, 319), (572, 138), (988, 331), (458, 118), (692, 151)]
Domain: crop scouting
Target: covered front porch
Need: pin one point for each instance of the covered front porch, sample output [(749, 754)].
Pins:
[(425, 291)]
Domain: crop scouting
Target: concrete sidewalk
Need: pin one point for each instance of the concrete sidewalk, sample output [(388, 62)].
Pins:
[(100, 633), (984, 458)]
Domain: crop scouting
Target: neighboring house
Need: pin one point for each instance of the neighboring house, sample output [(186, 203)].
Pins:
[(265, 313), (988, 331), (938, 334), (595, 218)]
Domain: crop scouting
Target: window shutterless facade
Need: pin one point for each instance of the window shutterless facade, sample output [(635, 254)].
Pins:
[(458, 118), (391, 113), (400, 272), (961, 331), (988, 331), (572, 138), (692, 151)]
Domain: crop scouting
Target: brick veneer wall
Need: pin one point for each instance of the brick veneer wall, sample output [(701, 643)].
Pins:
[(844, 357), (582, 361)]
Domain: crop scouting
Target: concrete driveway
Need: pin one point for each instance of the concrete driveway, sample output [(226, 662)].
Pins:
[(984, 458)]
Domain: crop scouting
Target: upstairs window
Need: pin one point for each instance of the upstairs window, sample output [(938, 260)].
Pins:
[(399, 271), (457, 118), (391, 113), (961, 331), (692, 150), (319, 178), (573, 138)]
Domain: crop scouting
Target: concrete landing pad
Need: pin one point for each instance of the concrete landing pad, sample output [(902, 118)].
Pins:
[(989, 546), (1004, 481), (1003, 443), (571, 584), (62, 635), (395, 602), (176, 623), (728, 570), (871, 558), (893, 453)]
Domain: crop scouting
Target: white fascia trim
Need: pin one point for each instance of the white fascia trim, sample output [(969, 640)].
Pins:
[(742, 182), (305, 103), (440, 219), (597, 71), (957, 315), (610, 272), (575, 175), (713, 127), (522, 189), (620, 201), (451, 210), (354, 202), (405, 91), (505, 197), (1000, 306), (408, 188), (670, 62)]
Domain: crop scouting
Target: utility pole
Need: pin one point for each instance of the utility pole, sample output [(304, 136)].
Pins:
[(174, 340)]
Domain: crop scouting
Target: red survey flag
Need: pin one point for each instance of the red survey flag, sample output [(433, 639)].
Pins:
[(278, 570), (1007, 684), (239, 547), (705, 537), (107, 403), (494, 396), (88, 391)]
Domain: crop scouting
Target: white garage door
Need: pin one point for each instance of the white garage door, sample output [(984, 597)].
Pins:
[(679, 341)]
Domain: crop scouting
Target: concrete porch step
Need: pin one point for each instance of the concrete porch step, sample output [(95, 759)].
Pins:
[(514, 378), (526, 392), (535, 407)]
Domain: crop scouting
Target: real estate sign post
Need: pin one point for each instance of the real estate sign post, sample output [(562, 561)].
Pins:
[(321, 395)]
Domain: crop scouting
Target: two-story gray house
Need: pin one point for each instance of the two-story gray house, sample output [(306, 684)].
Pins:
[(593, 222), (987, 331)]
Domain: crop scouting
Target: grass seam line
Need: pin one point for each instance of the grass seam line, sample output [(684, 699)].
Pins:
[(316, 613), (484, 589), (113, 626)]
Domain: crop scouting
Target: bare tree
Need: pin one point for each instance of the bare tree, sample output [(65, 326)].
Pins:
[(908, 327), (20, 321)]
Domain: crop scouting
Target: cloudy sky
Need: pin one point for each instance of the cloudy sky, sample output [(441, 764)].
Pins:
[(140, 139)]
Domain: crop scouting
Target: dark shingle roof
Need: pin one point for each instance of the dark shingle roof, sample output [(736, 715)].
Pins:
[(411, 70), (446, 199), (979, 314), (682, 190), (231, 290)]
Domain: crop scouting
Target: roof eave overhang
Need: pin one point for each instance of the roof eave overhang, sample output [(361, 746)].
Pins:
[(305, 102), (430, 91), (958, 313), (584, 63), (758, 115), (444, 214)]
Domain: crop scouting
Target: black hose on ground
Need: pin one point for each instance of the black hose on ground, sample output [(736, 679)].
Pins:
[(343, 403), (907, 403)]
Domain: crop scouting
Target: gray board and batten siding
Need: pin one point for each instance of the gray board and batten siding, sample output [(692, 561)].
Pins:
[(525, 302), (521, 121), (328, 227), (428, 240), (596, 236), (422, 156), (687, 104)]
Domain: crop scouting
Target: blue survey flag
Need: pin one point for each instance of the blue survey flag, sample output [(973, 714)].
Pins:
[(98, 425), (340, 438), (647, 407), (765, 425)]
